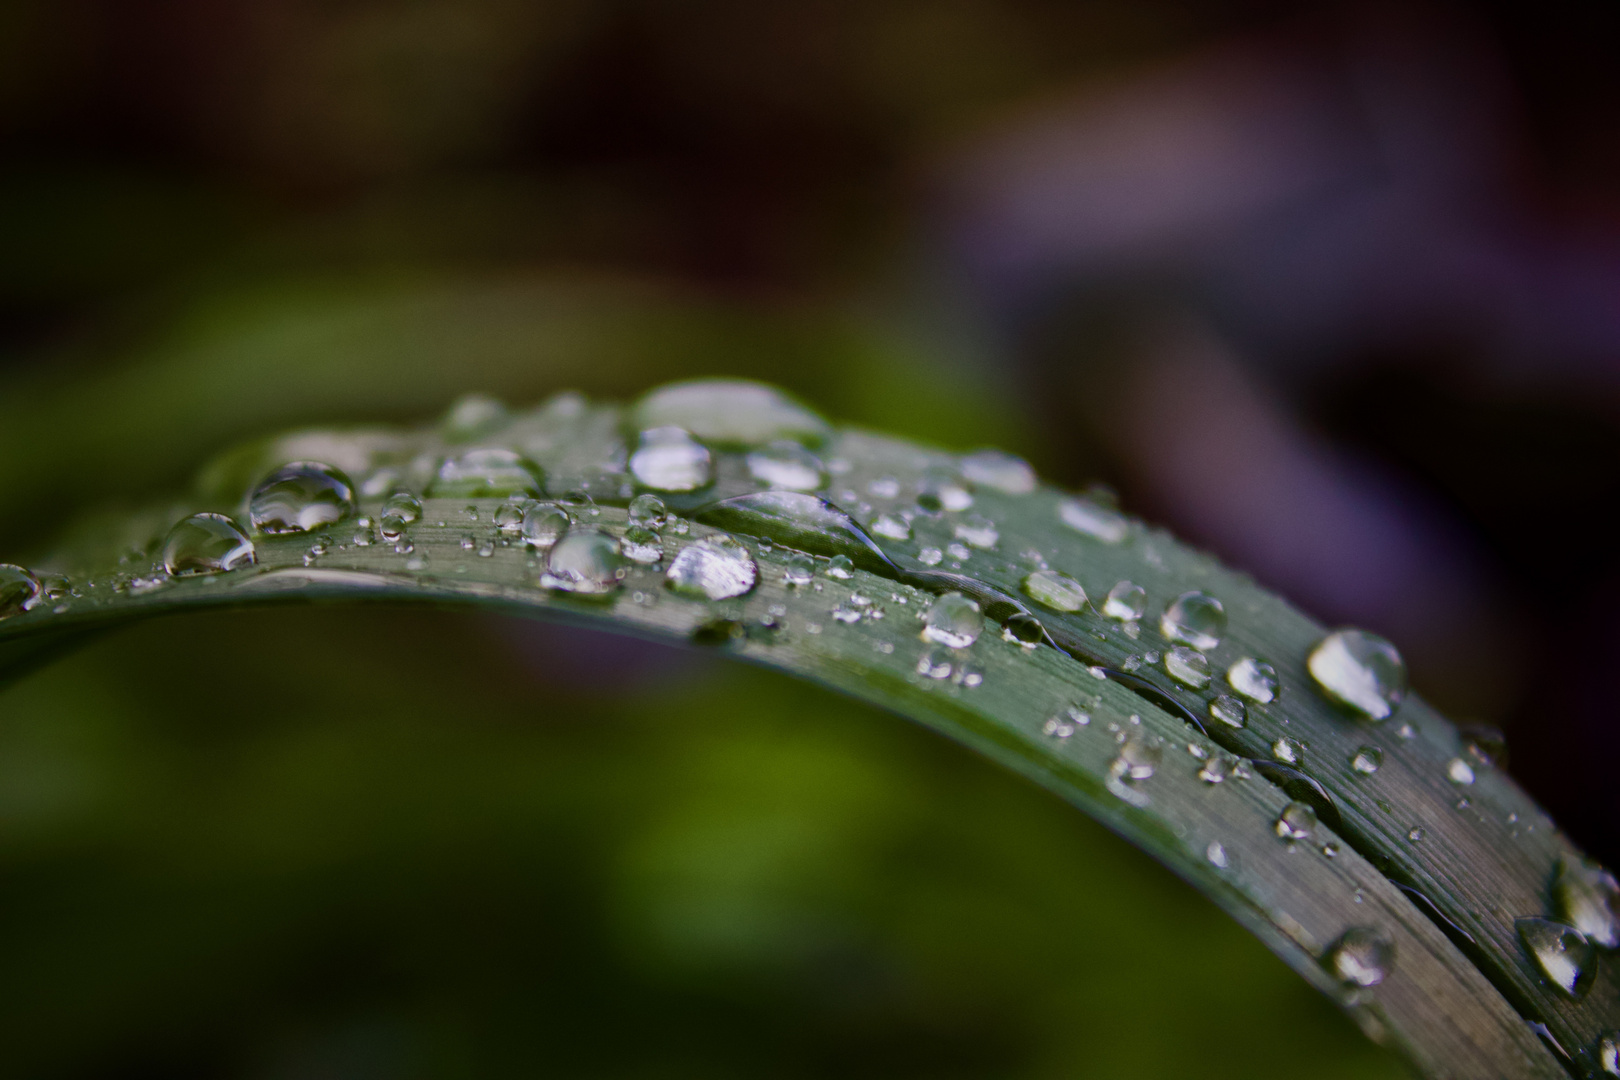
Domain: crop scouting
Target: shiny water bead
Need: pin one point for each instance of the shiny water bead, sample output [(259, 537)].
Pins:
[(1094, 519), (486, 473), (206, 544), (1288, 751), (1367, 760), (1608, 1053), (714, 568), (669, 459), (978, 531), (509, 517), (1139, 756), (544, 524), (648, 511), (473, 415), (403, 508), (930, 556), (1126, 601), (1187, 666), (953, 620), (1216, 854), (1361, 957), (1025, 629), (19, 590), (1485, 744), (1584, 895), (942, 494), (1060, 592), (1196, 619), (890, 527), (840, 567), (1003, 472), (585, 561), (642, 545), (1229, 710), (1296, 822), (1214, 771), (799, 571), (1459, 771), (1562, 952), (1361, 671), (300, 496), (1254, 679), (730, 412), (787, 466)]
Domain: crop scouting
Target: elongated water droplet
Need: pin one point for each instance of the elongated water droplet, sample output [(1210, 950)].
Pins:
[(544, 524), (1608, 1053), (891, 527), (1094, 520), (206, 544), (1196, 619), (1187, 666), (1367, 760), (1361, 957), (1288, 751), (978, 531), (730, 412), (1003, 472), (1254, 679), (1584, 895), (585, 561), (1361, 671), (788, 466), (1229, 710), (1296, 822), (953, 621), (1060, 592), (648, 511), (486, 473), (1459, 771), (300, 496), (1126, 601), (1562, 952), (714, 568), (19, 590), (798, 521), (669, 459), (642, 545)]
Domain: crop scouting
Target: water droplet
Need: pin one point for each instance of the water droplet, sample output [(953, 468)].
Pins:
[(930, 556), (1562, 952), (1229, 710), (884, 487), (1001, 471), (1060, 592), (1296, 822), (642, 545), (1093, 519), (1416, 835), (1459, 771), (669, 459), (1608, 1053), (544, 524), (1058, 727), (1214, 771), (471, 416), (890, 527), (1485, 744), (1196, 619), (1216, 854), (1288, 751), (19, 590), (788, 466), (957, 551), (1025, 629), (1361, 671), (840, 567), (1254, 679), (585, 561), (648, 511), (978, 531), (509, 517), (1583, 896), (714, 568), (206, 544), (1361, 957), (486, 473), (1367, 760), (1126, 602), (799, 571), (932, 665), (398, 511), (730, 412), (300, 496), (953, 621), (1187, 667), (1330, 851), (944, 494), (1139, 757)]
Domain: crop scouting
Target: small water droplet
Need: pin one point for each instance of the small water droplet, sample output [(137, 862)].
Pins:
[(890, 527), (1485, 744), (585, 561), (1367, 760), (1562, 952), (1608, 1053), (300, 496), (19, 590), (1330, 851), (1024, 629), (840, 567), (1139, 757), (1254, 679), (1093, 519), (642, 545), (933, 665), (398, 511), (1361, 957), (1296, 822), (1003, 472), (1417, 834), (930, 556), (1459, 771), (943, 494), (508, 517), (669, 459), (1216, 854), (884, 487), (1060, 592), (977, 531), (799, 571), (1229, 710), (958, 551), (787, 466), (1058, 727), (953, 620), (1186, 666), (1126, 602), (1288, 751), (648, 511), (1584, 894), (1406, 731), (206, 544), (1361, 671), (714, 568), (544, 524), (730, 412), (1196, 619), (486, 473), (1214, 771)]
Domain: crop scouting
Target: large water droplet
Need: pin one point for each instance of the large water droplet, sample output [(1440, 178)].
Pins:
[(669, 459), (399, 510), (1367, 760), (798, 521), (1361, 957), (585, 561), (509, 516), (486, 473), (1361, 671), (544, 524), (730, 412), (1254, 679), (994, 469), (1060, 592), (1187, 666), (300, 496), (953, 621), (1288, 751), (642, 545), (977, 531), (1126, 602), (206, 544), (19, 590), (1562, 952), (1296, 822), (1583, 896), (1229, 710), (1608, 1053), (1196, 619), (648, 511), (1459, 771), (787, 466), (714, 568), (1094, 520)]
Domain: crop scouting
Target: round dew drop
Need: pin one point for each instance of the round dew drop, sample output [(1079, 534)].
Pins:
[(1584, 895), (787, 466), (953, 621), (1296, 822), (1459, 771), (642, 545), (799, 571), (1139, 757), (543, 525), (1094, 520), (1216, 854), (1608, 1053), (1367, 760), (1060, 592), (19, 590), (1361, 957), (714, 568), (1003, 472), (206, 544), (1288, 751), (978, 531), (669, 459), (486, 473), (648, 511), (890, 527), (1196, 619), (585, 561), (1563, 953), (1229, 710), (840, 567), (509, 517), (301, 496), (1360, 671), (1126, 602), (1254, 679), (1187, 667)]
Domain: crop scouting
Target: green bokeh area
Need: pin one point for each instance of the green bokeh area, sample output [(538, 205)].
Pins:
[(399, 842)]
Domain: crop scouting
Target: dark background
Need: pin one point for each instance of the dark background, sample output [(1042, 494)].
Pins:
[(1333, 290)]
